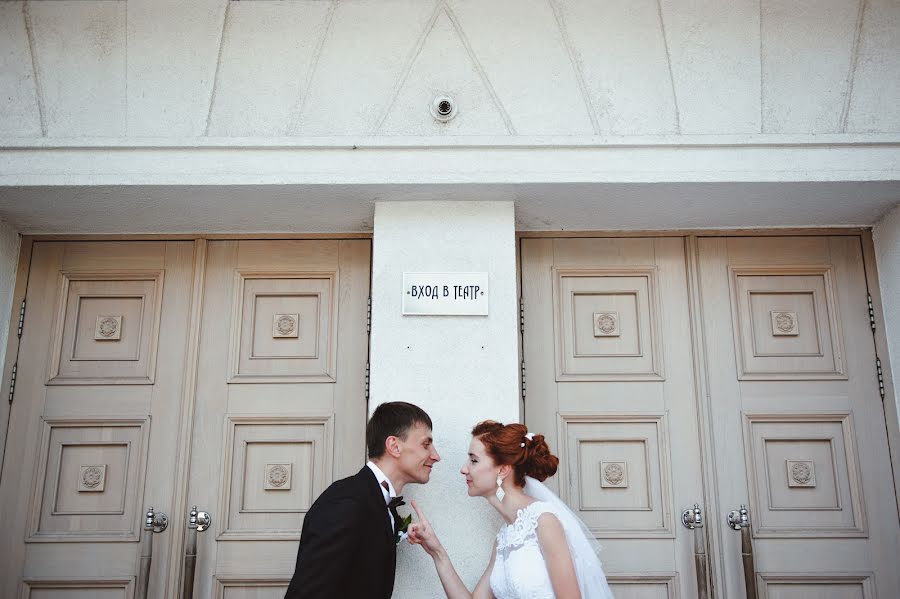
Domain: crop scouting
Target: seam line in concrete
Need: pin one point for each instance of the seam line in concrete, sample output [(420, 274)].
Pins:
[(479, 68), (576, 67), (854, 64), (665, 39), (762, 75), (294, 119), (125, 100), (35, 68), (215, 86), (411, 59)]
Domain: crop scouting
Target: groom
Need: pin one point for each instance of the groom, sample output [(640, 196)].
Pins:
[(347, 545)]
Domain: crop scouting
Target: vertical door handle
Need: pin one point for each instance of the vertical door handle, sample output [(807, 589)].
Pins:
[(154, 522), (197, 522), (693, 520), (740, 520)]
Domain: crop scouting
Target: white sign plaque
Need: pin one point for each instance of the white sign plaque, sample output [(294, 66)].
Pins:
[(445, 293)]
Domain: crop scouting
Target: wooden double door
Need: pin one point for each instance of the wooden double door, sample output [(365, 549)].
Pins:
[(722, 372), (666, 372), (229, 375)]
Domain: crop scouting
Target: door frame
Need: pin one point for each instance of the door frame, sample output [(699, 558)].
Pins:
[(714, 527), (178, 522)]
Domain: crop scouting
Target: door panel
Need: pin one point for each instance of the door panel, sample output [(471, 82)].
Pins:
[(609, 382), (100, 361), (799, 429), (281, 406)]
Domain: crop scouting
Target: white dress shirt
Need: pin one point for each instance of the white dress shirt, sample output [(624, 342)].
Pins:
[(389, 492)]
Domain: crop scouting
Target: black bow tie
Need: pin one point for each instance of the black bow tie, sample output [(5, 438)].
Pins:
[(396, 502)]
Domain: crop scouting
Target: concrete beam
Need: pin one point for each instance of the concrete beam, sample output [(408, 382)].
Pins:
[(489, 159)]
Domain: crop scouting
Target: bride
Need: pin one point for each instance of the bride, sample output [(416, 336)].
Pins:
[(543, 550)]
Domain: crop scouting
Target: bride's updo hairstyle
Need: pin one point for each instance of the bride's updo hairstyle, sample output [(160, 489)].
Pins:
[(508, 445)]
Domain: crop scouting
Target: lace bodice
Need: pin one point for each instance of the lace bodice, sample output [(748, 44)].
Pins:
[(519, 568)]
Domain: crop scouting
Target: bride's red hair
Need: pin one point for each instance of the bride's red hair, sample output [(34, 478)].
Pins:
[(503, 443)]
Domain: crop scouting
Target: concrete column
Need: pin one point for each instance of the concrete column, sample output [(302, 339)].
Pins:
[(9, 257), (460, 369), (886, 237)]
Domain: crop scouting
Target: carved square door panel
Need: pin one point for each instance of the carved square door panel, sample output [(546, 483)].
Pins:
[(274, 469), (778, 585), (284, 328), (251, 587), (786, 325), (803, 471), (79, 588), (107, 328), (89, 481), (618, 475), (644, 586), (607, 325)]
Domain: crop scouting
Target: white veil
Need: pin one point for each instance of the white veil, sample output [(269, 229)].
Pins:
[(582, 544)]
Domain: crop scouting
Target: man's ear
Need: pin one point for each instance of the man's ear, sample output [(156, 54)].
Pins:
[(392, 446)]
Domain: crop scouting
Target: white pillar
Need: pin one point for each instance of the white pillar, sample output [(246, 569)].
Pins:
[(9, 257), (886, 238), (460, 369)]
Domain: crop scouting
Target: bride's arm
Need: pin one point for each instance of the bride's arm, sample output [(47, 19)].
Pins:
[(559, 561), (421, 533), (453, 585), (483, 588)]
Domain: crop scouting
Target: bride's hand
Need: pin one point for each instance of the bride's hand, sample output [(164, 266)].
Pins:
[(421, 533)]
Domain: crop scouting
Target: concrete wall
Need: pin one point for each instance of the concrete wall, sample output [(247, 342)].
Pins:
[(217, 68), (460, 369), (886, 236), (9, 256)]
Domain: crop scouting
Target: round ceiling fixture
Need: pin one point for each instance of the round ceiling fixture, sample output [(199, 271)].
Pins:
[(443, 108)]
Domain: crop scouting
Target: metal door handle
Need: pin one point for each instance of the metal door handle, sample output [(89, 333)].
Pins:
[(740, 520), (154, 522), (692, 520), (197, 522)]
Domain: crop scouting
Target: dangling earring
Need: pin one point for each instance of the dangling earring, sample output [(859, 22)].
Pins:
[(500, 492)]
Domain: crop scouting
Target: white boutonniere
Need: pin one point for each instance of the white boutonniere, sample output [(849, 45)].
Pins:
[(402, 529)]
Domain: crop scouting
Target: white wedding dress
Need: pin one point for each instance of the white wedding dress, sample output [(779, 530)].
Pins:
[(520, 571)]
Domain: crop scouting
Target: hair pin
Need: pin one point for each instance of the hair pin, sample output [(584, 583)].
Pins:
[(529, 436)]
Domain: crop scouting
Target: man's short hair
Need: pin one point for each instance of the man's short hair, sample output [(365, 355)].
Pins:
[(392, 419)]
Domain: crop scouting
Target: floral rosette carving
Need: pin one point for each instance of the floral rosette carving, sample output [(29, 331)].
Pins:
[(784, 322), (801, 473), (285, 325), (278, 475), (108, 327), (91, 477), (606, 323), (614, 474)]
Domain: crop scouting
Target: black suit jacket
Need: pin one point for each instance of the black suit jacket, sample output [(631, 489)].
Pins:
[(347, 547)]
